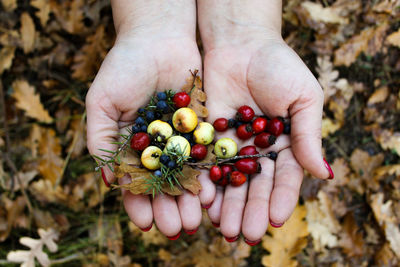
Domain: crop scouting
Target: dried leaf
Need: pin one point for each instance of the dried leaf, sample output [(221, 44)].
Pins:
[(9, 5), (287, 241), (364, 164), (27, 100), (137, 186), (69, 14), (50, 163), (6, 58), (351, 239), (87, 61), (77, 133), (27, 33), (197, 95), (388, 139), (329, 127), (379, 95), (27, 257), (44, 10), (173, 191), (189, 181), (327, 76), (324, 14), (152, 237), (10, 212), (44, 191)]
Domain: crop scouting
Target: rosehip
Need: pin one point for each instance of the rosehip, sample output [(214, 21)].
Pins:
[(221, 124), (238, 178), (245, 113), (275, 126), (248, 166), (248, 150), (198, 151), (181, 99), (224, 181), (259, 125), (226, 170), (215, 173), (244, 131), (264, 140), (140, 141)]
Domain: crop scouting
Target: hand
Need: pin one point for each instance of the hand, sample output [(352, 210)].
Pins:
[(252, 65), (153, 54)]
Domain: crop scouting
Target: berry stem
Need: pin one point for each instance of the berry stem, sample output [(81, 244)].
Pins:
[(221, 161)]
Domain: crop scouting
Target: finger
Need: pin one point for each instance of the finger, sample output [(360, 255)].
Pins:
[(143, 217), (256, 213), (232, 210), (166, 215), (285, 194), (190, 211), (306, 118), (208, 190), (214, 212)]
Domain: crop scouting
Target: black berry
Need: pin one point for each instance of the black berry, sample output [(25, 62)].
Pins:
[(171, 164), (164, 159), (150, 116), (273, 155), (161, 96), (162, 106), (158, 173), (232, 123), (143, 128), (135, 128), (140, 121), (286, 128)]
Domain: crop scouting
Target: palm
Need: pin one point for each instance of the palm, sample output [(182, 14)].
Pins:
[(268, 79), (131, 72)]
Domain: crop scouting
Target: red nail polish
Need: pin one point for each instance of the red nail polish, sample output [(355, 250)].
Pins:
[(103, 175), (206, 206), (252, 243), (231, 239), (175, 237), (147, 228), (215, 224), (328, 167), (191, 232), (275, 225)]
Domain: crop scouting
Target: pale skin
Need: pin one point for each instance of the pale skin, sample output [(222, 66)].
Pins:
[(246, 61)]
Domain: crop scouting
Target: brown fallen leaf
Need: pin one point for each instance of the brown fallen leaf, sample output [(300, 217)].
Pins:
[(6, 58), (152, 237), (27, 100), (77, 135), (173, 191), (394, 38), (10, 212), (197, 95), (388, 139), (286, 242), (43, 12), (69, 14), (9, 5), (28, 32), (351, 238), (189, 181)]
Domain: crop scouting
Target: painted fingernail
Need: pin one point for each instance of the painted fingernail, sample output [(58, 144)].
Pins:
[(328, 167), (103, 175), (252, 243), (215, 224), (206, 206), (231, 239), (147, 228), (175, 237), (275, 225), (191, 232)]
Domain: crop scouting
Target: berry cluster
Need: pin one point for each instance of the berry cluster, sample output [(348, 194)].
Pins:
[(247, 125)]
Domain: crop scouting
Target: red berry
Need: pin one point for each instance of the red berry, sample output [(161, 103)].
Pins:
[(264, 140), (244, 131), (238, 178), (140, 141), (198, 152), (248, 150), (226, 170), (259, 125), (220, 124), (275, 126), (223, 182), (181, 100), (248, 166), (215, 173), (245, 113)]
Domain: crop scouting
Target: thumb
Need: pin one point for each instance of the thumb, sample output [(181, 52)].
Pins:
[(102, 131), (306, 120)]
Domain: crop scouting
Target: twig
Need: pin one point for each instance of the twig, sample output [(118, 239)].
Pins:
[(270, 155)]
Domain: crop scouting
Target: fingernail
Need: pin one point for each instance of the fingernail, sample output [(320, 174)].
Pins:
[(147, 228), (206, 206), (328, 167), (252, 243), (275, 225), (103, 175), (175, 237), (191, 232), (215, 224), (231, 239)]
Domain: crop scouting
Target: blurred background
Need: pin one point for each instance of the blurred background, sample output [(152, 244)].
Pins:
[(54, 209)]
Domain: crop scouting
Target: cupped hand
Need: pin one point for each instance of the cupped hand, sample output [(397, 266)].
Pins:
[(133, 70), (268, 76)]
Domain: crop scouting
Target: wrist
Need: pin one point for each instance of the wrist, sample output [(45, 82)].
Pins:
[(154, 19), (234, 22)]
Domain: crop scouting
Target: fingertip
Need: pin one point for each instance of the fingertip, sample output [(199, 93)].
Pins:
[(208, 189)]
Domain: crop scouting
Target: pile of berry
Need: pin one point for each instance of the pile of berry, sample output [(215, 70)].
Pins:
[(247, 125)]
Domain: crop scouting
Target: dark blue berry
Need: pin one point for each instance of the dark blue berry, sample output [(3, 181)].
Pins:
[(286, 128), (164, 159), (232, 123), (143, 128), (163, 106), (141, 110), (188, 136), (161, 96), (140, 121), (135, 128), (170, 123), (273, 155), (158, 115), (150, 116), (171, 164), (158, 173)]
